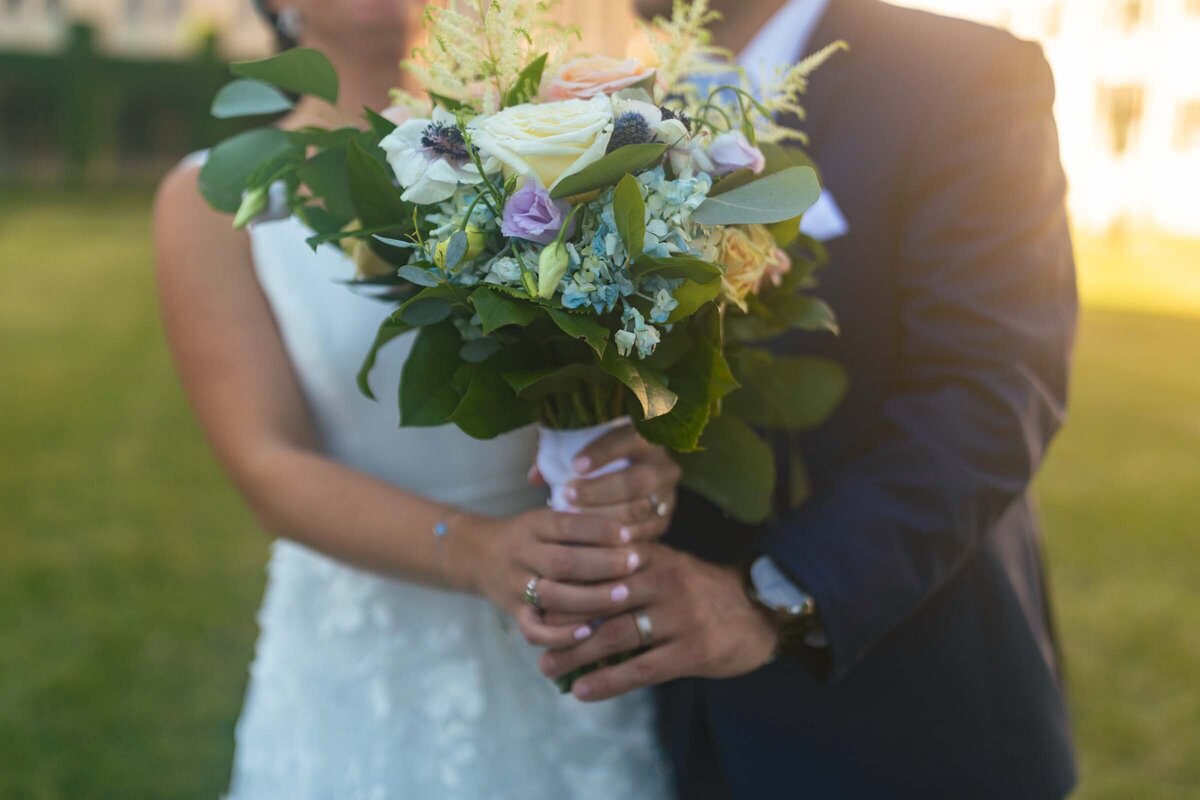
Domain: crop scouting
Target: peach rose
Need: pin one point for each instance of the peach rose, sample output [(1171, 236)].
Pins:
[(586, 77), (750, 257)]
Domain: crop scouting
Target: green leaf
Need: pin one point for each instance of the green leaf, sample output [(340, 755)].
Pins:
[(700, 378), (496, 310), (449, 103), (323, 138), (735, 470), (775, 198), (325, 176), (390, 329), (490, 407), (536, 384), (301, 70), (693, 296), (380, 124), (629, 210), (526, 86), (418, 275), (223, 176), (427, 393), (581, 326), (688, 267), (796, 393), (376, 200), (647, 386), (246, 98), (609, 169)]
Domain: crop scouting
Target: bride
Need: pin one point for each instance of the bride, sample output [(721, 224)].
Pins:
[(394, 659)]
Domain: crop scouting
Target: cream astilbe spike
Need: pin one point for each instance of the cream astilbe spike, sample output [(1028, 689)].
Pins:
[(477, 48), (682, 44), (783, 97)]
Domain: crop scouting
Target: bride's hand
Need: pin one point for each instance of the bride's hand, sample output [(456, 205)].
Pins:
[(496, 558), (640, 497)]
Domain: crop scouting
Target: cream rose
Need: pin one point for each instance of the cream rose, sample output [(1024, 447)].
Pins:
[(589, 76), (750, 256), (547, 141)]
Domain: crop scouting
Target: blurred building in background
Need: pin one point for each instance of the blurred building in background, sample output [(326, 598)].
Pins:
[(1128, 109), (114, 90)]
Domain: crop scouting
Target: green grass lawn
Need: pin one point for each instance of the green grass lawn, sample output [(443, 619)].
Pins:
[(129, 571)]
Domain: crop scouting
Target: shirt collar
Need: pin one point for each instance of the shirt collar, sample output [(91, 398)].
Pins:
[(781, 41)]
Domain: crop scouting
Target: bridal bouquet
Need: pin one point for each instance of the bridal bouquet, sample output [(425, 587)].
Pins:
[(578, 241)]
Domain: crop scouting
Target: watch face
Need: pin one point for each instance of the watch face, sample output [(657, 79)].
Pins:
[(775, 590)]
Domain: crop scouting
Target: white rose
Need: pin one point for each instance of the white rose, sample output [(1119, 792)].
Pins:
[(546, 141)]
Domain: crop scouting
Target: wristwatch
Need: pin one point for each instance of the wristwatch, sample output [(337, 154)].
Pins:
[(792, 611)]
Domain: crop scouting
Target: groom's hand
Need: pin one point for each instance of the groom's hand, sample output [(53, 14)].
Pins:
[(702, 625)]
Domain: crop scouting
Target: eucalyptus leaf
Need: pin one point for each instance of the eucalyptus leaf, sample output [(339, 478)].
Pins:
[(479, 350), (389, 330), (456, 250), (301, 70), (496, 309), (609, 169), (427, 393), (629, 210), (247, 98), (526, 86), (581, 326), (429, 306), (224, 174), (775, 198), (418, 275), (735, 470)]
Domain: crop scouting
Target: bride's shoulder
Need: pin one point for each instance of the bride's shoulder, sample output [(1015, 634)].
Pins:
[(184, 222)]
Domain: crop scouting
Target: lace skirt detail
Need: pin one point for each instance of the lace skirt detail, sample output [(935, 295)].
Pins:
[(365, 688)]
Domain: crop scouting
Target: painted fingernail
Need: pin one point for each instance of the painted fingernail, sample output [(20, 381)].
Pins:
[(633, 561), (571, 493), (581, 689), (620, 593), (582, 464), (626, 535), (583, 632)]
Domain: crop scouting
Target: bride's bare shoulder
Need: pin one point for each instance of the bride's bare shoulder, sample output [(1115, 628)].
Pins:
[(184, 223)]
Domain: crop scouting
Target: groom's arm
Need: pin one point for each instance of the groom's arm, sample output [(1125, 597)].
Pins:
[(986, 283)]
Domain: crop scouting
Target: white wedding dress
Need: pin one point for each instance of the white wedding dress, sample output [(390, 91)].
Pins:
[(369, 688)]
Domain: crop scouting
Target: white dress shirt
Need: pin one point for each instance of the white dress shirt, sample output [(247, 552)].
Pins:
[(777, 45), (782, 41)]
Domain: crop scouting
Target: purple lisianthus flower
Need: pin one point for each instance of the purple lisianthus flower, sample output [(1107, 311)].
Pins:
[(532, 215), (731, 151)]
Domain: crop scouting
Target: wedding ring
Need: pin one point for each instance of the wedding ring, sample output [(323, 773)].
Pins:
[(645, 629), (661, 507), (531, 593)]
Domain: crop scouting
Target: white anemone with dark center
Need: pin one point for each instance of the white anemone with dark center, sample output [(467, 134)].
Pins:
[(430, 158)]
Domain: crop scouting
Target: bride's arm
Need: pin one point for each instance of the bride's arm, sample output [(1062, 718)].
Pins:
[(239, 379)]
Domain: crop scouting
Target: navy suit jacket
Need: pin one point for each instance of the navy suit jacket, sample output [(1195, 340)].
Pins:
[(956, 296)]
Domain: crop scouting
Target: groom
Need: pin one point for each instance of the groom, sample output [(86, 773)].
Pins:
[(891, 637)]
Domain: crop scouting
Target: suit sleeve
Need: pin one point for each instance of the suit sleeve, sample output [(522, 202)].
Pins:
[(987, 315)]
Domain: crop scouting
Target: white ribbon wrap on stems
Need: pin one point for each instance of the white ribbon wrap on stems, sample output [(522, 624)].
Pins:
[(558, 449)]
